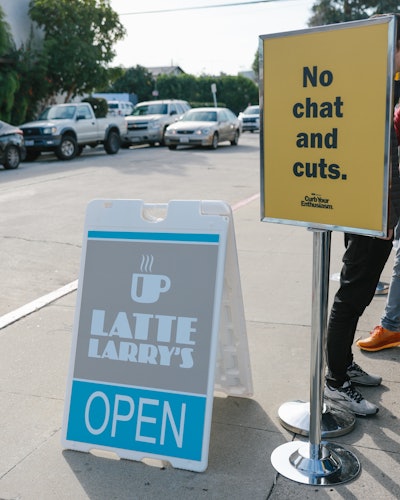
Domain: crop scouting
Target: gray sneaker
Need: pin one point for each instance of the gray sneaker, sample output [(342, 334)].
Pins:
[(350, 399), (359, 377)]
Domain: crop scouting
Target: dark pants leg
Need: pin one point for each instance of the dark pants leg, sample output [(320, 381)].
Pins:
[(363, 262)]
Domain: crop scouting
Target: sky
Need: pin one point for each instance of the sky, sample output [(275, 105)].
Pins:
[(207, 41)]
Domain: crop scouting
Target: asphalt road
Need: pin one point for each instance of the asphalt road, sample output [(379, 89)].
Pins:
[(43, 203)]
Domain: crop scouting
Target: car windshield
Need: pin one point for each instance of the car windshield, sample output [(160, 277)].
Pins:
[(252, 110), (150, 109), (58, 113), (200, 116)]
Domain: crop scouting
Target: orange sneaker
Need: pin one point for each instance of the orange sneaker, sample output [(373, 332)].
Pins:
[(379, 339)]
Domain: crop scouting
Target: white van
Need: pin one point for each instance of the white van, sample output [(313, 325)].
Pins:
[(123, 108)]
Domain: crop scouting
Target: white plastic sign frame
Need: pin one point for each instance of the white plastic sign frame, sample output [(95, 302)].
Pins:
[(143, 356)]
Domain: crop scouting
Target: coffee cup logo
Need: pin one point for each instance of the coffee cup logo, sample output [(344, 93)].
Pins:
[(146, 287)]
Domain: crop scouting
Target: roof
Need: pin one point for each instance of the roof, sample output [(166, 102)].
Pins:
[(166, 70)]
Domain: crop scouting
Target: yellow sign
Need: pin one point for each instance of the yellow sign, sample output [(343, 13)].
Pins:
[(326, 111)]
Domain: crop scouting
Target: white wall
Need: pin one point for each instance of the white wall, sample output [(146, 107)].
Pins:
[(16, 15)]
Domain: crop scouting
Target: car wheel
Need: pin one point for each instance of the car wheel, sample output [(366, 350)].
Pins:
[(32, 155), (67, 149), (12, 157), (214, 143), (172, 147), (235, 139), (112, 143)]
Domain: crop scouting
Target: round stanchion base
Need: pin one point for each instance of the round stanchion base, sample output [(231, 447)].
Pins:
[(295, 417), (335, 466)]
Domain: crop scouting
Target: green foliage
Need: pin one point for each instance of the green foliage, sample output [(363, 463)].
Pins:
[(234, 91), (8, 87), (6, 43), (339, 11), (184, 87), (256, 65), (113, 74), (99, 105), (8, 73), (78, 42), (210, 104), (74, 58), (137, 80), (33, 82), (237, 92)]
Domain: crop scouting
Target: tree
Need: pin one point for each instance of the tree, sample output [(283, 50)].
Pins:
[(184, 87), (256, 65), (78, 42), (137, 80), (339, 11), (234, 92), (113, 74), (33, 82), (8, 74)]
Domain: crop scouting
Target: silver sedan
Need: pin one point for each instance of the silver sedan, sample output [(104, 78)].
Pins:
[(204, 127)]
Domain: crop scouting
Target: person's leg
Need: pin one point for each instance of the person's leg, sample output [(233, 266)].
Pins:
[(342, 321), (391, 316), (387, 334), (363, 262)]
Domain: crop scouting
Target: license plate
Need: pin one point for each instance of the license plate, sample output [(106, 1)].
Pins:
[(184, 139), (29, 143)]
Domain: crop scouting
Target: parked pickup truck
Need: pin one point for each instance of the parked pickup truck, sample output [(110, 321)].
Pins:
[(67, 128)]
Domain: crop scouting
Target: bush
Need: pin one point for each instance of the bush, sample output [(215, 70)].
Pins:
[(99, 105)]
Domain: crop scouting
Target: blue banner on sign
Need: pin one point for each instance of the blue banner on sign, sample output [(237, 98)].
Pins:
[(134, 235), (135, 419)]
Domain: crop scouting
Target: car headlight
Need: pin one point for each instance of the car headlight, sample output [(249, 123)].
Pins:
[(203, 131), (50, 130)]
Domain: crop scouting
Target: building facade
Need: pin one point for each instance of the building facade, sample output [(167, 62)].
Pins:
[(16, 15)]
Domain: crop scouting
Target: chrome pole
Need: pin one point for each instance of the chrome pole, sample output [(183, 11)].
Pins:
[(320, 290), (314, 462), (313, 419)]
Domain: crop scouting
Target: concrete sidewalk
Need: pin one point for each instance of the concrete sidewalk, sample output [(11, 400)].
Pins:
[(276, 270)]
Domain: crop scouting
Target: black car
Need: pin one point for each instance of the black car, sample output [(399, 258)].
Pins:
[(12, 149)]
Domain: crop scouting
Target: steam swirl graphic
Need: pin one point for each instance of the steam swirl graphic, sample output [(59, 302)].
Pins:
[(147, 263)]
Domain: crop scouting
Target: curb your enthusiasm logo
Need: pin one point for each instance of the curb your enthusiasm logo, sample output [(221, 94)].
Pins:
[(315, 200)]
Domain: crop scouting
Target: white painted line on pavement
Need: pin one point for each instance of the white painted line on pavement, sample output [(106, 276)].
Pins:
[(35, 305)]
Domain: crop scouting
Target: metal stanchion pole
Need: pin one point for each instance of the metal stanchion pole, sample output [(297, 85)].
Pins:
[(316, 462), (295, 416)]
